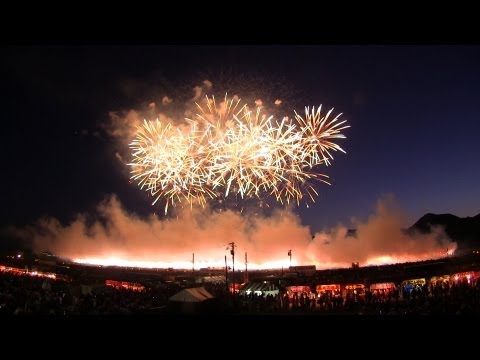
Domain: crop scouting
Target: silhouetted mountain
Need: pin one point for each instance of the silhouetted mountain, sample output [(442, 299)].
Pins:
[(465, 231)]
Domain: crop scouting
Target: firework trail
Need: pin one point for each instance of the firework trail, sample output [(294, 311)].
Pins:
[(230, 149)]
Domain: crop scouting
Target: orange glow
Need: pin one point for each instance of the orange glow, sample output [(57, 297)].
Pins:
[(185, 265), (396, 259), (384, 286), (19, 271), (354, 286), (299, 289), (124, 285), (125, 261), (125, 239), (331, 287), (465, 275)]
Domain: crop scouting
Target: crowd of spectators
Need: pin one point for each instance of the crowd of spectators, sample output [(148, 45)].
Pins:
[(24, 294), (458, 298)]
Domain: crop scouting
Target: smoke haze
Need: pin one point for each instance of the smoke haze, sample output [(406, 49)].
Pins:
[(114, 233)]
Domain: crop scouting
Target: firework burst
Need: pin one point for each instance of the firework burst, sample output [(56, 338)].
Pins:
[(229, 149)]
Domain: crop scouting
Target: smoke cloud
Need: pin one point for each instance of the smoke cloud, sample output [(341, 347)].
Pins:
[(116, 233), (381, 239), (122, 125), (166, 100), (208, 84)]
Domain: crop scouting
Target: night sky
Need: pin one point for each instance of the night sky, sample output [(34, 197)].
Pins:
[(413, 110)]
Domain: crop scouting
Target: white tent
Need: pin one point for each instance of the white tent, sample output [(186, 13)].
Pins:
[(192, 295), (191, 300), (260, 288)]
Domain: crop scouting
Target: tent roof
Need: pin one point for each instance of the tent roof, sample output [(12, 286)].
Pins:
[(192, 295), (260, 286)]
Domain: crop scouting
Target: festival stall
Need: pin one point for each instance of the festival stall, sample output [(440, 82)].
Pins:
[(328, 294), (330, 288), (408, 286), (263, 288), (300, 296), (476, 278), (380, 290), (124, 285), (464, 277), (440, 280), (382, 286), (355, 290), (234, 288), (298, 290)]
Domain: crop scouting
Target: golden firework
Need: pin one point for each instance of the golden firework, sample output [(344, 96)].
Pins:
[(228, 148)]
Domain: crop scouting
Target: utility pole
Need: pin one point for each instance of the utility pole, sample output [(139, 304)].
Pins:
[(246, 269), (290, 255), (232, 252), (193, 267)]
